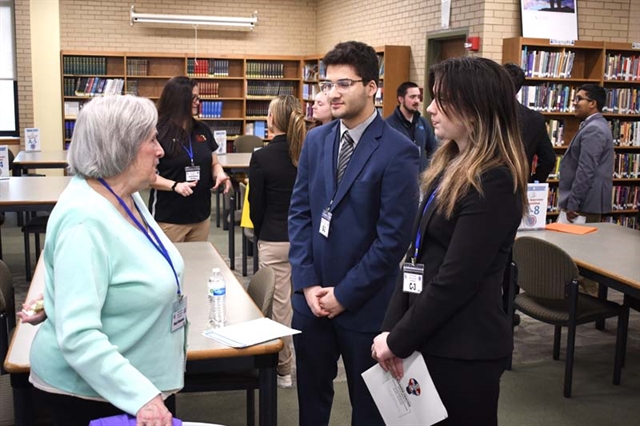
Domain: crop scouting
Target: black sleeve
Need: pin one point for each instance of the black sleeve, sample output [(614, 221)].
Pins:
[(256, 193), (544, 151)]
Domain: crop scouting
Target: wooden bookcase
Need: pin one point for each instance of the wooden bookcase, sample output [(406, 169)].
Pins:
[(593, 62), (236, 90)]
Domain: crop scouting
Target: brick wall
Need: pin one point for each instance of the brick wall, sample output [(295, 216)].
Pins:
[(285, 27), (23, 62)]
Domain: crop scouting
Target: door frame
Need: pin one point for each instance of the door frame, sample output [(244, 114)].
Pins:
[(433, 44)]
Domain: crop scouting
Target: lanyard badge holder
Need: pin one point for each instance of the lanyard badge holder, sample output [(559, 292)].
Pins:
[(413, 273), (192, 172)]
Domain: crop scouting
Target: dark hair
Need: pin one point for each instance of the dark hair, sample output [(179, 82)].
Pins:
[(516, 73), (478, 93), (402, 89), (174, 113), (360, 56), (595, 92)]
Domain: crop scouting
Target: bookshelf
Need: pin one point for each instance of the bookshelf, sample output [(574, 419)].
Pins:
[(554, 72), (235, 91)]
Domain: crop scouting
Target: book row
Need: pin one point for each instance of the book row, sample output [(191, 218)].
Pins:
[(622, 67), (622, 198), (271, 88), (72, 108), (625, 133), (210, 109), (257, 128), (265, 69), (137, 67), (207, 67), (623, 101), (233, 128), (209, 89), (545, 64), (626, 166), (93, 86), (257, 109), (84, 65), (69, 126), (626, 221), (309, 91)]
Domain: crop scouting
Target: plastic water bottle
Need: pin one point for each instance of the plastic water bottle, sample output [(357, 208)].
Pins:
[(217, 290)]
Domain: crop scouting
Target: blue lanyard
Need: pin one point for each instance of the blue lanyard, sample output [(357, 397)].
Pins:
[(157, 243), (189, 151), (418, 236)]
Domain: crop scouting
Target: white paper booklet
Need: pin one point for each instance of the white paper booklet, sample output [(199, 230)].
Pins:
[(562, 218), (413, 400), (249, 333)]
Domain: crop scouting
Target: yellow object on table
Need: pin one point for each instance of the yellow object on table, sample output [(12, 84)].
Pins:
[(245, 220)]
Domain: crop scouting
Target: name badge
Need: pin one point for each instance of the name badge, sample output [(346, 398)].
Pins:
[(412, 278), (179, 315), (325, 223), (192, 173)]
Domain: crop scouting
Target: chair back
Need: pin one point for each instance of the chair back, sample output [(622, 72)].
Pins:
[(543, 268), (247, 143), (261, 288)]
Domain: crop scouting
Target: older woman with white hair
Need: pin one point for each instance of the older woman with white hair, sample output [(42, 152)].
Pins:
[(113, 280)]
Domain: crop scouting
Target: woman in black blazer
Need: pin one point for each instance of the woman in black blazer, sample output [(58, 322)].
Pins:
[(272, 173), (475, 193)]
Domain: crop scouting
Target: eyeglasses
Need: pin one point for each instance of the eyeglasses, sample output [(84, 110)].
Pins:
[(579, 98), (341, 85), (195, 98)]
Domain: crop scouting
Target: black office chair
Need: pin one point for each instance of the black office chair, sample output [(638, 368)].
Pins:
[(7, 311), (549, 278)]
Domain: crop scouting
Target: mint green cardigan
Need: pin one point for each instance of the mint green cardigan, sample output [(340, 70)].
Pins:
[(109, 296)]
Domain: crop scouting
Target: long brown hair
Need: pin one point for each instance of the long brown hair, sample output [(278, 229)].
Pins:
[(288, 117), (479, 93)]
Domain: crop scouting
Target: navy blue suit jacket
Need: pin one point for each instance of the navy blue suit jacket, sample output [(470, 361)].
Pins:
[(372, 213)]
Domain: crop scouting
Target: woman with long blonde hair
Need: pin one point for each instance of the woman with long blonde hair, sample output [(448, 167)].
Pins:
[(448, 305), (272, 174)]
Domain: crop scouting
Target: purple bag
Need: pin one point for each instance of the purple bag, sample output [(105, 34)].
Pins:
[(123, 420)]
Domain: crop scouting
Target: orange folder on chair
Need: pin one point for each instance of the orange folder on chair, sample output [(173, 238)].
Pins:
[(570, 229)]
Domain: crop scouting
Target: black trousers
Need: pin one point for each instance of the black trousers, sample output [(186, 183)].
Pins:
[(469, 389), (67, 410)]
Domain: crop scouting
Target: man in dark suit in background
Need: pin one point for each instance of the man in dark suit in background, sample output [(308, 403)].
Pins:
[(407, 120), (352, 209), (533, 132)]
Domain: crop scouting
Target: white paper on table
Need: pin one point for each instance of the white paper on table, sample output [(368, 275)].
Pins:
[(412, 400), (249, 333), (562, 218)]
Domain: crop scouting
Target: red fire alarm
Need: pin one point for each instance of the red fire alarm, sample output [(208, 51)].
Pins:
[(472, 44)]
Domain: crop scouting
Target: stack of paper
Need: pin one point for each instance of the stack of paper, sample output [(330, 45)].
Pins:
[(249, 333)]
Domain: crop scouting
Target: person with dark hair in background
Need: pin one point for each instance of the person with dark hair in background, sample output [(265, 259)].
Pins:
[(586, 169), (407, 120), (475, 192), (351, 211), (180, 199), (272, 174), (533, 132)]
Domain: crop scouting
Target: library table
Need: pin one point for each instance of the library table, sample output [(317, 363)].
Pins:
[(39, 160), (204, 355)]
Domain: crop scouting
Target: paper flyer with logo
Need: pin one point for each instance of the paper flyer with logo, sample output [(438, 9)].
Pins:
[(4, 162), (32, 139), (536, 218), (412, 400), (220, 137)]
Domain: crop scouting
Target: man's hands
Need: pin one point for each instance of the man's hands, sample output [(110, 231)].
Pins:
[(323, 302), (571, 215)]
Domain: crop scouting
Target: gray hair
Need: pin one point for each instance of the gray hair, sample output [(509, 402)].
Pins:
[(108, 133)]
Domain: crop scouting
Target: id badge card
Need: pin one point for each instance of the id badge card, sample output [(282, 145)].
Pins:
[(325, 223), (179, 314), (192, 173), (412, 278)]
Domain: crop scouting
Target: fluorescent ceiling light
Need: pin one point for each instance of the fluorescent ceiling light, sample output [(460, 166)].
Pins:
[(224, 21)]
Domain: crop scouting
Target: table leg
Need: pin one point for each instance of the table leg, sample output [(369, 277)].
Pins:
[(22, 404), (602, 294), (269, 393), (232, 232)]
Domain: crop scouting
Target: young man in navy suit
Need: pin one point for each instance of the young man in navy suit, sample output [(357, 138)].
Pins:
[(350, 219)]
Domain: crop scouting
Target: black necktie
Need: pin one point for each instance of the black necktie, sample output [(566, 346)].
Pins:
[(346, 151)]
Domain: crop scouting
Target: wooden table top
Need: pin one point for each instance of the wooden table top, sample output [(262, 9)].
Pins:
[(31, 190), (235, 160), (612, 250), (48, 157), (199, 258)]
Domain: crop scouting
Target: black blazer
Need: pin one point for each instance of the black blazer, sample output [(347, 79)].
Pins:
[(533, 132), (459, 313), (271, 179)]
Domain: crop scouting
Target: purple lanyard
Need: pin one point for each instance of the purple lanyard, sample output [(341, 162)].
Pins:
[(157, 243), (418, 236)]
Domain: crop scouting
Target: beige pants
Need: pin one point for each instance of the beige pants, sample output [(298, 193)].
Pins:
[(186, 233), (276, 255)]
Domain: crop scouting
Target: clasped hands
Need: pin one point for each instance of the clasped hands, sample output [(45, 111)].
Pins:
[(322, 301)]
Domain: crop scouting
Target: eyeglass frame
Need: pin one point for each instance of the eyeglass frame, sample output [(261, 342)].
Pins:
[(195, 98), (327, 85), (579, 98)]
